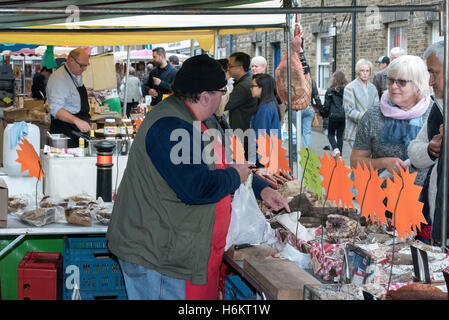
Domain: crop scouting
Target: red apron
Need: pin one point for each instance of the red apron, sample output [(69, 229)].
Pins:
[(209, 291)]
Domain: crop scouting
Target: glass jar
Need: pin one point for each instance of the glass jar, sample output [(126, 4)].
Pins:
[(110, 129)]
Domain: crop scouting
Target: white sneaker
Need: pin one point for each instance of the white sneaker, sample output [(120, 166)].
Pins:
[(336, 152)]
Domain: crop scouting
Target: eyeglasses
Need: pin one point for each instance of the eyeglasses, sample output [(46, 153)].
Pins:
[(81, 65), (224, 90), (400, 82), (234, 66), (255, 86)]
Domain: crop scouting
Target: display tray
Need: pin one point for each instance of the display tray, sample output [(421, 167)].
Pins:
[(16, 227)]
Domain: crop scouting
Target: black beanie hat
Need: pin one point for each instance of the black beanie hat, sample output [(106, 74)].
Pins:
[(198, 74)]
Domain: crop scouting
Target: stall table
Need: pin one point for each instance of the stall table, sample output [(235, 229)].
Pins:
[(274, 278), (16, 227)]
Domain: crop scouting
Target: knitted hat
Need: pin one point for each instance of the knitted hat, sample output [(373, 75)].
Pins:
[(198, 74)]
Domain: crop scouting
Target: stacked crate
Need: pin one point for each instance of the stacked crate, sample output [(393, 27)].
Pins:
[(90, 270), (39, 276)]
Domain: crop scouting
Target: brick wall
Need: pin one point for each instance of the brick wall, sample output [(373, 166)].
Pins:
[(372, 34)]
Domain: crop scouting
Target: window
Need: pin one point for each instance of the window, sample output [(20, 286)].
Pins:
[(322, 62), (397, 37), (436, 32)]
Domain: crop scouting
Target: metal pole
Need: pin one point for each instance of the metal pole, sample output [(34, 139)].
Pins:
[(285, 10), (334, 53), (125, 100), (289, 84), (445, 145), (354, 39)]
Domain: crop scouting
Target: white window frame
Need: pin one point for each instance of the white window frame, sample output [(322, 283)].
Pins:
[(321, 88), (436, 32), (403, 26)]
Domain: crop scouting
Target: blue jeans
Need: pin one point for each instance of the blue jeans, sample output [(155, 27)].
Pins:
[(146, 284), (307, 116)]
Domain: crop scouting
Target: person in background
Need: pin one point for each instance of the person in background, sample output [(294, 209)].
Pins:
[(67, 97), (380, 77), (221, 113), (174, 61), (386, 130), (161, 77), (241, 104), (424, 151), (359, 96), (170, 220), (38, 88), (134, 91), (266, 119), (308, 114), (334, 111), (258, 65)]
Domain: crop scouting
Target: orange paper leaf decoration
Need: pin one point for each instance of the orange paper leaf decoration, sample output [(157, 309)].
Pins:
[(238, 152), (138, 123), (407, 214), (371, 195), (29, 160), (272, 154), (336, 182)]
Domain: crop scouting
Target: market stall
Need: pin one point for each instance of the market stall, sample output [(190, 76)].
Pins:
[(324, 231)]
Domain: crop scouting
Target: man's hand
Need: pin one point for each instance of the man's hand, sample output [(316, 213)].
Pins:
[(434, 147), (82, 125), (274, 199), (242, 169), (156, 81)]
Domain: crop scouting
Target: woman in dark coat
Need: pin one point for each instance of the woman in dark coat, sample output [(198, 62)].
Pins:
[(333, 109)]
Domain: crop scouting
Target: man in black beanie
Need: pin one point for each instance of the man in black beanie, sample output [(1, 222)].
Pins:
[(173, 207)]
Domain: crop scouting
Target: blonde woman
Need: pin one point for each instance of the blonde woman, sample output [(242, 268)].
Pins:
[(359, 96)]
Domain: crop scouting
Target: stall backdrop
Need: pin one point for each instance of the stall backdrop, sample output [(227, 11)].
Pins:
[(83, 29)]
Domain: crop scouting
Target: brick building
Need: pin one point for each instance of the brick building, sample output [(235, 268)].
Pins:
[(377, 32)]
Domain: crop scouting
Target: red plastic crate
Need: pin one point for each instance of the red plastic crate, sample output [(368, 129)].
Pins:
[(39, 276)]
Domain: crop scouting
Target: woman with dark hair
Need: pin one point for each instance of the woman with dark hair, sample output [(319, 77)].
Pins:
[(334, 110), (266, 119)]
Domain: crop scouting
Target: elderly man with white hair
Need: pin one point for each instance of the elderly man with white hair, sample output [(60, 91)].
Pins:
[(424, 151), (386, 130), (380, 78)]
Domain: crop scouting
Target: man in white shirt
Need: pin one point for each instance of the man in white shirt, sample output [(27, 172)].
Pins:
[(67, 97)]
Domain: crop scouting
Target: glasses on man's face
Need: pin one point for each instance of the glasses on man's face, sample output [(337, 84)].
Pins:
[(224, 90), (234, 66), (254, 86), (80, 64), (399, 82)]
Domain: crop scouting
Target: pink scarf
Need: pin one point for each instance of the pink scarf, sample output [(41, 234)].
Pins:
[(390, 110)]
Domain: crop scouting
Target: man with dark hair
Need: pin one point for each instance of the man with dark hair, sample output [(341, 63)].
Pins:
[(161, 77), (241, 104), (174, 61), (39, 83), (170, 218)]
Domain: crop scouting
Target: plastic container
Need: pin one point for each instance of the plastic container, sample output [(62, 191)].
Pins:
[(236, 289), (39, 276), (90, 270), (10, 155)]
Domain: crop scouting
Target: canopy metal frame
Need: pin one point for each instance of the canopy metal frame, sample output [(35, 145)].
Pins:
[(441, 7)]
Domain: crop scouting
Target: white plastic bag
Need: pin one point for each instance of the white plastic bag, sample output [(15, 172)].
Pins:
[(248, 224)]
